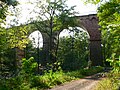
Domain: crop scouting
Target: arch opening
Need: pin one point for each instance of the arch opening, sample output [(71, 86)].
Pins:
[(36, 39), (73, 48), (34, 47)]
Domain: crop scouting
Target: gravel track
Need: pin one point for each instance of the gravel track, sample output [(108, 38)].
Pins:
[(87, 83)]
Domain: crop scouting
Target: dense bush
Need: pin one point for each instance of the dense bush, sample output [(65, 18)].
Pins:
[(115, 63), (50, 79), (27, 80), (112, 82), (29, 66), (21, 81), (85, 72)]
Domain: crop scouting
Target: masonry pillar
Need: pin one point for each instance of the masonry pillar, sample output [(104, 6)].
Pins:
[(45, 52), (96, 52), (46, 47)]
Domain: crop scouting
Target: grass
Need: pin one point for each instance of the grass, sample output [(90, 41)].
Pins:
[(112, 82), (48, 80), (51, 79), (84, 72)]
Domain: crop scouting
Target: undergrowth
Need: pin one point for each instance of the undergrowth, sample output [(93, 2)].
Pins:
[(112, 81), (26, 80)]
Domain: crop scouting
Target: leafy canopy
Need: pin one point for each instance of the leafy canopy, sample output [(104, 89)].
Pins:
[(109, 20)]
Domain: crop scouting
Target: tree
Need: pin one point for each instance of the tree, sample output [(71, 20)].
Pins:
[(10, 39), (99, 1), (3, 46), (109, 17), (9, 2), (4, 4), (3, 10), (54, 16)]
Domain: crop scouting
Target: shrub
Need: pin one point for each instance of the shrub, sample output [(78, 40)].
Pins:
[(12, 83), (91, 71), (50, 79), (109, 83), (115, 63), (29, 66), (85, 72), (112, 81), (22, 81), (26, 80)]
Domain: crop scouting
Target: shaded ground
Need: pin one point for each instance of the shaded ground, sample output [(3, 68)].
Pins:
[(87, 83)]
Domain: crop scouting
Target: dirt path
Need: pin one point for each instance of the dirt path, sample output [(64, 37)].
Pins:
[(87, 83)]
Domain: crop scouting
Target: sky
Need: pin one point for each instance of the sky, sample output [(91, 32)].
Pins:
[(26, 8), (82, 8)]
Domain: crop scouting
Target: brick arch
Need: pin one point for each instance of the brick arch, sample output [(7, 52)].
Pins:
[(75, 27), (90, 23)]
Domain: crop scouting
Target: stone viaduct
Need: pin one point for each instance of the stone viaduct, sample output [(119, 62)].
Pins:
[(90, 24)]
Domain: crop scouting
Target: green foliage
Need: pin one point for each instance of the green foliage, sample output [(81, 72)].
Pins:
[(107, 84), (17, 37), (92, 1), (99, 1), (92, 70), (29, 66), (28, 81), (56, 66), (74, 50), (11, 39), (16, 83), (54, 16), (115, 63), (111, 82), (57, 16), (2, 41), (49, 80), (85, 72), (109, 20), (6, 64), (3, 10), (22, 80), (9, 2)]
